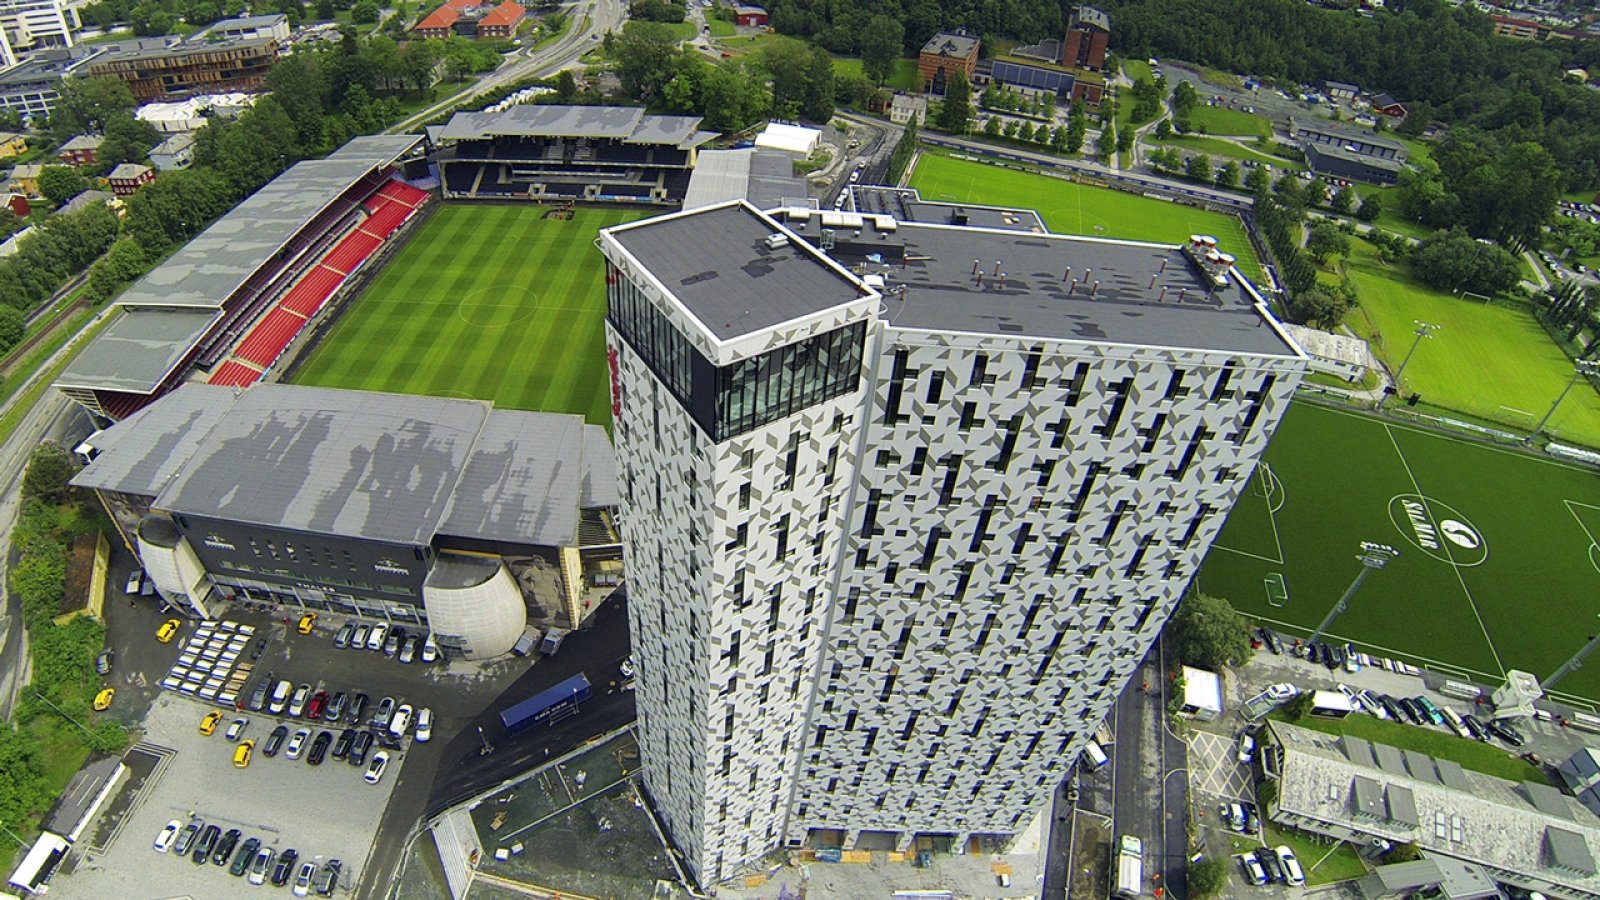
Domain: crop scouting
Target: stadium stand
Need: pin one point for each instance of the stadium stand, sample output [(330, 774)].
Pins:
[(251, 264), (591, 153)]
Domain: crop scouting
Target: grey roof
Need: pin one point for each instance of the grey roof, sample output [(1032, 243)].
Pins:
[(715, 261), (950, 43), (1338, 161), (1568, 850), (160, 48), (1451, 773), (906, 205), (377, 466), (138, 350), (1329, 129), (80, 793), (1402, 805), (1421, 766), (214, 265), (382, 467), (1383, 100), (128, 170), (1456, 879), (630, 124), (764, 177), (49, 66), (1359, 751), (141, 453), (177, 143), (1368, 796), (522, 483), (27, 170), (453, 571), (82, 142), (85, 200), (1089, 15), (1580, 768), (1340, 86), (1547, 800)]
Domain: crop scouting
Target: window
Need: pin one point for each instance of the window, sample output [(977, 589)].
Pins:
[(744, 495), (740, 535)]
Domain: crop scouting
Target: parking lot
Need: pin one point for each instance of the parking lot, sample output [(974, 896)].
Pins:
[(326, 811)]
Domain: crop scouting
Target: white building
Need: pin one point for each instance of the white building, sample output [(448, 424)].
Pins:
[(34, 24), (900, 525)]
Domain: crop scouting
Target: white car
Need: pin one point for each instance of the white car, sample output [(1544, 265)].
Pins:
[(1247, 748), (297, 744), (380, 633), (1282, 692), (168, 834), (424, 725), (430, 649), (401, 720), (1254, 872), (1292, 872), (135, 581), (1369, 702), (376, 768), (297, 706), (302, 881), (236, 729), (627, 669)]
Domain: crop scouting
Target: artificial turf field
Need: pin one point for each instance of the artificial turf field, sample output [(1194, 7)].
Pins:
[(1070, 207), (1503, 571), (485, 303)]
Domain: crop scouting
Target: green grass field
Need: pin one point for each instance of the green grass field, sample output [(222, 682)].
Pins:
[(1501, 572), (487, 303), (1492, 362), (1223, 120), (1069, 207), (902, 78)]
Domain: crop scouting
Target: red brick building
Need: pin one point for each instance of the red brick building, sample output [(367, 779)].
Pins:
[(472, 19), (129, 177), (750, 16), (944, 54), (83, 150), (1088, 34), (502, 21)]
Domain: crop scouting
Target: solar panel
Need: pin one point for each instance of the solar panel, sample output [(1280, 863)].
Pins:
[(1421, 766), (1389, 759), (1453, 775), (1547, 800)]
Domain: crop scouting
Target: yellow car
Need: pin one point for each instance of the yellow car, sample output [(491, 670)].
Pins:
[(241, 756), (306, 621), (102, 700), (169, 629), (208, 725)]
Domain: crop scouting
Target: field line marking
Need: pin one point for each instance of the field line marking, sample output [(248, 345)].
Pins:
[(1461, 579), (1367, 417), (1271, 518)]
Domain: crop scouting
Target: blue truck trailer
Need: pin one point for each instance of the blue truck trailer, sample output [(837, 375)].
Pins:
[(552, 704)]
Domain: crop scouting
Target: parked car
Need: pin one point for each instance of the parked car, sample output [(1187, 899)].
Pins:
[(168, 836), (1333, 657), (335, 707), (307, 622), (341, 639), (1292, 873), (1391, 706), (258, 697), (380, 718), (1505, 731), (358, 637), (1413, 710), (319, 702), (188, 835), (168, 630), (379, 633), (1352, 658), (1369, 702), (1429, 711), (205, 844), (208, 725), (261, 865), (1252, 822), (1247, 749), (319, 748), (135, 581), (302, 695), (1233, 815), (224, 851), (341, 747), (391, 644), (283, 869), (275, 740), (359, 748), (302, 881), (1269, 639), (1269, 864), (1476, 726), (1253, 872), (241, 755), (297, 743), (379, 764), (102, 663), (236, 729), (408, 648), (245, 856), (281, 694), (401, 720), (430, 649), (102, 700), (358, 708), (329, 878), (424, 725)]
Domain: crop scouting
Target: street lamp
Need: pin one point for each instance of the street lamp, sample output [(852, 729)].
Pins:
[(1581, 367), (1372, 556), (1576, 662), (1424, 329)]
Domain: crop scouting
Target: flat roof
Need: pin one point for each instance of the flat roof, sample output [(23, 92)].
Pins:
[(1147, 294), (907, 205), (764, 177), (385, 467), (629, 124), (716, 262), (950, 43), (138, 350), (1333, 129), (1356, 158)]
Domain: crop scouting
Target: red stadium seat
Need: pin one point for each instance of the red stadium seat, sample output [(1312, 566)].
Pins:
[(234, 374), (312, 291), (266, 341), (351, 252)]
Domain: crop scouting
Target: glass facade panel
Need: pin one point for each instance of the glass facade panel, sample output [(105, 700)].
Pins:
[(729, 401)]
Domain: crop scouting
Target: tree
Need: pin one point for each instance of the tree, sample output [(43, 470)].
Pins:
[(881, 44), (566, 86), (13, 325), (127, 139), (1228, 175), (50, 468), (1344, 201), (1198, 168), (1258, 182), (644, 52), (1077, 128), (1105, 143), (87, 104), (1024, 132), (1208, 877), (1371, 207), (788, 62), (1163, 129), (364, 12), (1318, 307), (1326, 241), (59, 184), (325, 10), (817, 104), (1453, 260), (125, 261), (1125, 140), (1208, 632), (1399, 853), (957, 107)]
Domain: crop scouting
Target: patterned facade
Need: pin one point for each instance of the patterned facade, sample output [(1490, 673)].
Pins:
[(903, 605)]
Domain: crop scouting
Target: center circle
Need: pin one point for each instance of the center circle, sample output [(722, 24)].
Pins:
[(1438, 530), (497, 305)]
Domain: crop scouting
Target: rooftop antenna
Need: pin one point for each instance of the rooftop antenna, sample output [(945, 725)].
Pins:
[(739, 317)]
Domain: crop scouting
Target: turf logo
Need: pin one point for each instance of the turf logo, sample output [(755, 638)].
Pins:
[(1438, 530)]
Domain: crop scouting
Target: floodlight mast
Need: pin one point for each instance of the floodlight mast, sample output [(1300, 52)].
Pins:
[(1424, 329), (1372, 557), (1576, 662), (1581, 367)]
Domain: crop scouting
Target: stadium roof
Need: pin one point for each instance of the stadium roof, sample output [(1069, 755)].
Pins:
[(383, 467), (764, 177), (716, 262), (220, 259), (138, 350), (630, 124)]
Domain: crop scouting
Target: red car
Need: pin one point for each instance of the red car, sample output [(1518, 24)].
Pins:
[(319, 702)]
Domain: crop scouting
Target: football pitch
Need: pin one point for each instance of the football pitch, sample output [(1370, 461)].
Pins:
[(485, 303), (1499, 552), (1070, 207)]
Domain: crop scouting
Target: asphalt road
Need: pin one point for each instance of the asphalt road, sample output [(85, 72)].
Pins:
[(1150, 799)]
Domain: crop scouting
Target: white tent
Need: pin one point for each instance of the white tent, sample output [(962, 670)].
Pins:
[(1202, 694), (796, 139)]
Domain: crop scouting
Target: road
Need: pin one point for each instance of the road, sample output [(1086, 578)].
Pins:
[(591, 20), (1150, 787)]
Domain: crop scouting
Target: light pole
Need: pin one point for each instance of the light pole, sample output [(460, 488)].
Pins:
[(1424, 329), (13, 835), (1581, 367), (1372, 556), (1576, 662)]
